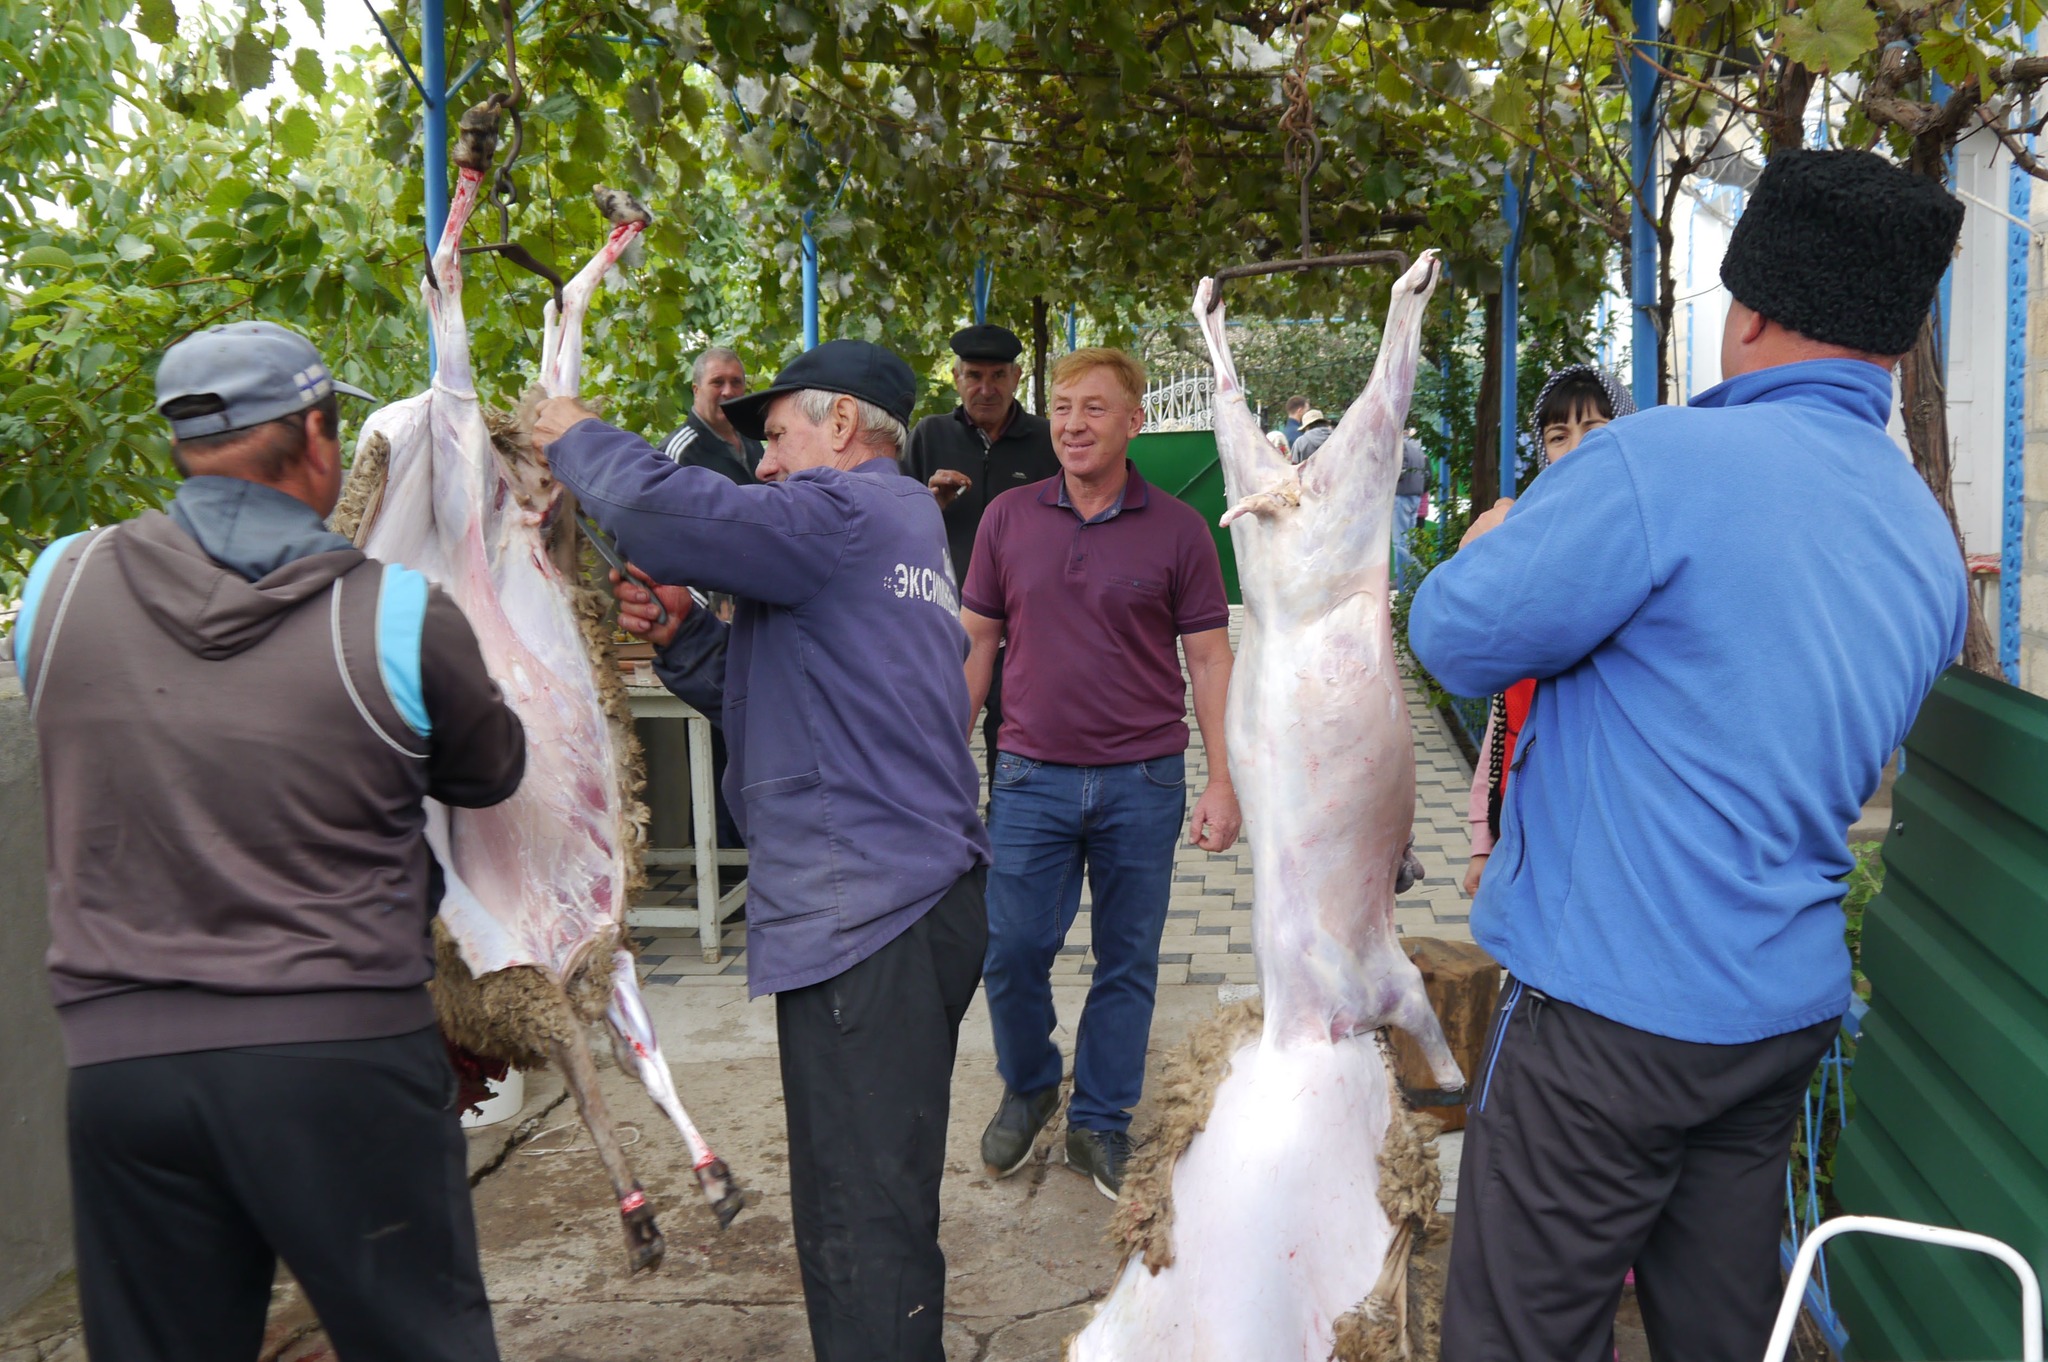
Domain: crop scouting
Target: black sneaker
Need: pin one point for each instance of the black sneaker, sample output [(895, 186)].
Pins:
[(1006, 1144), (1101, 1155)]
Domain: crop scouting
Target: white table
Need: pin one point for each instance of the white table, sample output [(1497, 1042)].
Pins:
[(655, 702)]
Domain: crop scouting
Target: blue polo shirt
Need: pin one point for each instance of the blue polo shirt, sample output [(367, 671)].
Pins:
[(1091, 610)]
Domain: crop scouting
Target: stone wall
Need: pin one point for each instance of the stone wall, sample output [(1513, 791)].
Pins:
[(35, 1225)]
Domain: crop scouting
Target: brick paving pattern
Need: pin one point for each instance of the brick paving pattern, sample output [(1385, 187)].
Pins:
[(1208, 937)]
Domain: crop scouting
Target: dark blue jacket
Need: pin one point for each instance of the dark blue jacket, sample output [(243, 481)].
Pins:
[(845, 702)]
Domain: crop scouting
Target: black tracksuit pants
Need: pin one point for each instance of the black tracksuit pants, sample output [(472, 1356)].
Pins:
[(1592, 1148), (192, 1174), (867, 1071)]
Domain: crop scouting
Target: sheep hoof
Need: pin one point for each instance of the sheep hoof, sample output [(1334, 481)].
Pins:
[(726, 1196), (645, 1247)]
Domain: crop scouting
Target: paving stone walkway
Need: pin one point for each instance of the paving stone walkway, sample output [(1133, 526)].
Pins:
[(1208, 936)]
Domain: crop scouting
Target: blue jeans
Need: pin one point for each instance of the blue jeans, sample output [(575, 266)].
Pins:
[(1047, 822), (1406, 509)]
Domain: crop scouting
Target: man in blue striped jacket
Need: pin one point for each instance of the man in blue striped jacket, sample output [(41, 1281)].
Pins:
[(708, 438)]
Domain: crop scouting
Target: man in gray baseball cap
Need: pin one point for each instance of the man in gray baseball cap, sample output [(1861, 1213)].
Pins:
[(253, 410), (239, 717)]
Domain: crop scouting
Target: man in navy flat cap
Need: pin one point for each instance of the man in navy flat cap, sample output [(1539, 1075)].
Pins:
[(976, 452), (845, 707)]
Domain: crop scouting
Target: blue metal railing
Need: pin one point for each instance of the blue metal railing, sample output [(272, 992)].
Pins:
[(1468, 713), (1803, 1209)]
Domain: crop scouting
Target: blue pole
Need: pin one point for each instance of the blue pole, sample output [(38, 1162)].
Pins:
[(810, 251), (984, 281), (2013, 528), (1073, 329), (1443, 462), (1642, 95), (1510, 327), (434, 77)]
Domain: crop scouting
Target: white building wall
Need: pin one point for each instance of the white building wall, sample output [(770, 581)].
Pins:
[(1700, 226), (1977, 294)]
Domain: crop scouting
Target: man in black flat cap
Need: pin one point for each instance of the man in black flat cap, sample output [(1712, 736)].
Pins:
[(845, 704), (976, 452), (1692, 590)]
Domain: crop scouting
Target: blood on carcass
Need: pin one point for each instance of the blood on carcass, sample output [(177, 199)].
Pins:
[(528, 942), (1273, 1214)]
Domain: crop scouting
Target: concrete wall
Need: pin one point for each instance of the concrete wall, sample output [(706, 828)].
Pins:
[(35, 1199)]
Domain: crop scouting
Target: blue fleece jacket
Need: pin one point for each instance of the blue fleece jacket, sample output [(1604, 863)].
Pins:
[(845, 699), (1735, 609)]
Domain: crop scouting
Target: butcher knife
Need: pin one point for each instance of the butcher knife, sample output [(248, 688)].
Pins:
[(608, 550)]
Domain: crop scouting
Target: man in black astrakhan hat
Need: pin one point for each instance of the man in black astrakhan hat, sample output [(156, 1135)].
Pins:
[(1733, 611), (979, 450), (844, 701)]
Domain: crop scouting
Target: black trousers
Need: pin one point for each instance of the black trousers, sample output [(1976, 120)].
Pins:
[(1592, 1148), (867, 1071), (192, 1174)]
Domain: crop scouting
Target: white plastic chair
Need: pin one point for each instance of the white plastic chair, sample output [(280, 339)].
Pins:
[(1802, 1268)]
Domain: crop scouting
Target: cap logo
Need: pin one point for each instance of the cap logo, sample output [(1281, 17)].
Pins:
[(313, 382)]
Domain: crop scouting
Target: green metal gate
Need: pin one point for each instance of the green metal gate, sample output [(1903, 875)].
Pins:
[(1951, 1075), (1185, 463)]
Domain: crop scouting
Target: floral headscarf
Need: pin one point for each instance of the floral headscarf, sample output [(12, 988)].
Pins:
[(1618, 396)]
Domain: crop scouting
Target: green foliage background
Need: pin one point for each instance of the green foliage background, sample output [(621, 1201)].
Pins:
[(154, 179)]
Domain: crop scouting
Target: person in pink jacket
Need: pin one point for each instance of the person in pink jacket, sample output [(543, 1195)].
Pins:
[(1575, 401)]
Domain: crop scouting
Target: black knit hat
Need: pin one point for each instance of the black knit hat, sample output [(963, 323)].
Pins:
[(1843, 247)]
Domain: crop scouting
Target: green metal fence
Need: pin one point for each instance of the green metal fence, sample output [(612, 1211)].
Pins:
[(1185, 463), (1951, 1075)]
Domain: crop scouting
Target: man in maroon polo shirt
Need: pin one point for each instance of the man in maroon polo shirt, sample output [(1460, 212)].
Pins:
[(1088, 578)]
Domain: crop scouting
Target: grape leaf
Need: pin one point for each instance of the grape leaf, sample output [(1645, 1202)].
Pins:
[(307, 72), (298, 134), (156, 20), (1829, 35)]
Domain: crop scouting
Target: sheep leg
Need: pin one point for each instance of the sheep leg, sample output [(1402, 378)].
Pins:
[(638, 1050), (644, 1245), (561, 367)]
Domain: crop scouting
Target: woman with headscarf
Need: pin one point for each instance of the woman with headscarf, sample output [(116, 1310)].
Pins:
[(1575, 401)]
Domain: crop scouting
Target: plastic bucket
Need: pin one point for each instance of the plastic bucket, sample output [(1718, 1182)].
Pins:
[(508, 1095)]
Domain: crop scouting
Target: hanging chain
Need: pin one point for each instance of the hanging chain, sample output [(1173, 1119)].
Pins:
[(1304, 150), (504, 190)]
